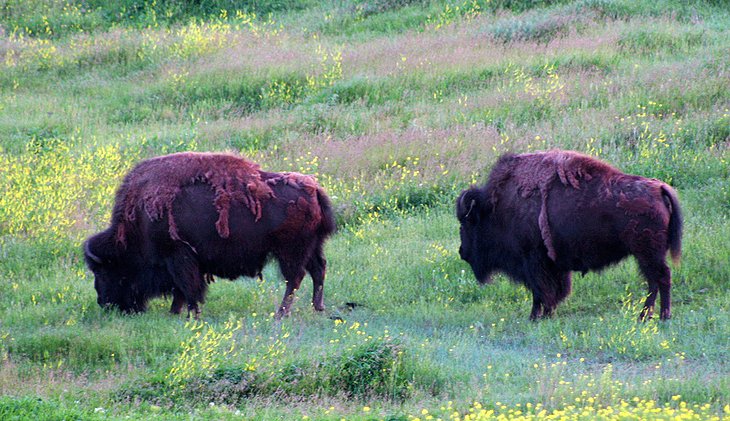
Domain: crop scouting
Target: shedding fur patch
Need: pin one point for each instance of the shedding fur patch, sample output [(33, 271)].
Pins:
[(296, 180), (534, 172), (310, 209), (154, 184)]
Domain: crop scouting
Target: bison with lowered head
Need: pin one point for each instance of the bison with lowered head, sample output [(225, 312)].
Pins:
[(180, 218), (541, 216)]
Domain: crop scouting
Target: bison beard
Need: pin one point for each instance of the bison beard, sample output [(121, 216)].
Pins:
[(542, 215), (181, 218)]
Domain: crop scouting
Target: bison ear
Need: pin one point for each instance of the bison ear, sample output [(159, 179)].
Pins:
[(471, 206)]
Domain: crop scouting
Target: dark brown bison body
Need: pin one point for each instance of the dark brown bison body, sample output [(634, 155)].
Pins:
[(178, 219), (542, 215)]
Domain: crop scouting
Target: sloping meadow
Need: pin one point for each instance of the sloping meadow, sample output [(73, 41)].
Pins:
[(395, 106)]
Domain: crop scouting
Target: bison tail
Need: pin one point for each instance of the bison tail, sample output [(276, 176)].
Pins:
[(328, 225), (675, 223)]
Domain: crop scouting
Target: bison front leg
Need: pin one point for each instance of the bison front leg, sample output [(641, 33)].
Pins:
[(536, 312), (188, 280), (542, 309), (548, 293), (178, 299), (559, 285), (549, 285)]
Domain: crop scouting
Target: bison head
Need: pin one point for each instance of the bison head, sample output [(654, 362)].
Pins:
[(472, 210), (114, 275)]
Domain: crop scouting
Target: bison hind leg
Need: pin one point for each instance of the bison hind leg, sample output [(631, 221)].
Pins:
[(292, 268), (292, 285), (659, 278), (317, 267)]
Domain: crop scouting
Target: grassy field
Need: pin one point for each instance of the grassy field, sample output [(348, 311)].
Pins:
[(396, 106)]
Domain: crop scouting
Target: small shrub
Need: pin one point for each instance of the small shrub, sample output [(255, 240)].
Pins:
[(539, 27), (523, 5), (212, 368), (373, 369), (373, 7)]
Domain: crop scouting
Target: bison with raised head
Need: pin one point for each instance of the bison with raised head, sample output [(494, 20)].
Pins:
[(180, 218), (541, 216)]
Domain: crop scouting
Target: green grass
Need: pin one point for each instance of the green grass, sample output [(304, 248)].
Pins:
[(395, 106)]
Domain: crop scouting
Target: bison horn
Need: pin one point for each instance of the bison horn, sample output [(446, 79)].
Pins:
[(91, 255), (460, 205), (471, 206)]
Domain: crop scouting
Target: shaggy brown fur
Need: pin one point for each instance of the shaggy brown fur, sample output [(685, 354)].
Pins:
[(154, 184), (541, 216), (180, 219), (303, 215), (536, 171)]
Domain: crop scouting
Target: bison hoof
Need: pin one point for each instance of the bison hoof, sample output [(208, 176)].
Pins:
[(646, 314), (665, 315), (319, 308), (282, 312)]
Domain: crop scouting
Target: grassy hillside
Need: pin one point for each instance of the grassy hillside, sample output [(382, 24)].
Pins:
[(395, 106)]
